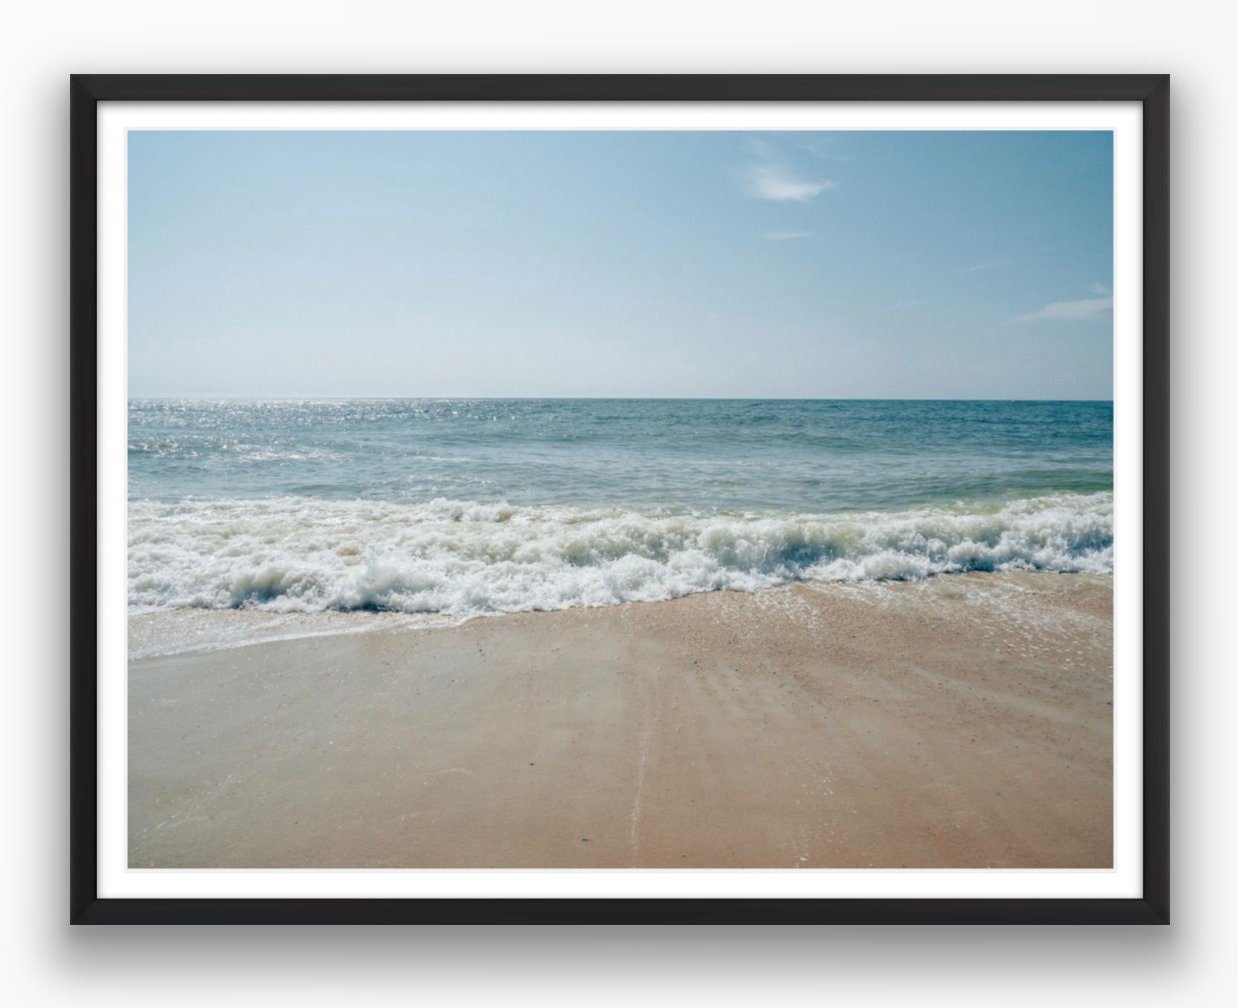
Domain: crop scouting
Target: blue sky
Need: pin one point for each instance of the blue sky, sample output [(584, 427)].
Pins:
[(602, 263)]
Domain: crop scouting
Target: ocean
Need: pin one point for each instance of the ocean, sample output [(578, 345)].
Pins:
[(461, 507)]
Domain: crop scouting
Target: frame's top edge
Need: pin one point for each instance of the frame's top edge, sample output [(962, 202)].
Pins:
[(618, 87)]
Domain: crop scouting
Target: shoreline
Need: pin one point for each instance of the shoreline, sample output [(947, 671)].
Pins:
[(961, 721), (166, 633)]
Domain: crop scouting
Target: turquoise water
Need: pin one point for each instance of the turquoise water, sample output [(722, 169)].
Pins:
[(464, 506)]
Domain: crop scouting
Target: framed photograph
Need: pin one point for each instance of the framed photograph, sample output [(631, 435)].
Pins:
[(620, 499)]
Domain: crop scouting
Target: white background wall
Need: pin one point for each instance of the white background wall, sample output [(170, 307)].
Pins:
[(47, 963)]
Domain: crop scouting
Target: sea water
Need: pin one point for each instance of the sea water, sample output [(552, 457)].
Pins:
[(460, 507)]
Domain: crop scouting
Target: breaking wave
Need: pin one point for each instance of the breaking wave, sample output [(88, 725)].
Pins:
[(463, 558)]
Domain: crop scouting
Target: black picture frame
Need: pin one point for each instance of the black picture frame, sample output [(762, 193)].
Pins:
[(87, 91)]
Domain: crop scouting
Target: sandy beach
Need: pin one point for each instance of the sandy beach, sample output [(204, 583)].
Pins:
[(963, 721)]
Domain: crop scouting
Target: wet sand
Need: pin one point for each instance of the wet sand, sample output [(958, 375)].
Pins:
[(960, 722)]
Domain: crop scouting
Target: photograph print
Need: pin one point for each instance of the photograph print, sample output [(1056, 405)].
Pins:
[(620, 499)]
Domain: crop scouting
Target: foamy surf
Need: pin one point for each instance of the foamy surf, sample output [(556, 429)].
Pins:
[(462, 558)]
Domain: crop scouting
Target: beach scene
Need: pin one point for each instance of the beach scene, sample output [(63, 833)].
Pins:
[(609, 499)]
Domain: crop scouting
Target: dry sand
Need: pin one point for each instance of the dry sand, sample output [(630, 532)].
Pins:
[(960, 722)]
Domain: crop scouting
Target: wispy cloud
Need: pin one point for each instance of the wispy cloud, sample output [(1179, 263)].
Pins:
[(1071, 311), (772, 181), (905, 304), (1099, 288), (786, 235), (985, 266), (819, 148)]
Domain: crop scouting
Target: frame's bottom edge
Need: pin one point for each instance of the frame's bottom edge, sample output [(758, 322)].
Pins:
[(621, 911)]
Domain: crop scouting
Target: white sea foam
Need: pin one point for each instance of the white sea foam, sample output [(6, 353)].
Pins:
[(461, 558)]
